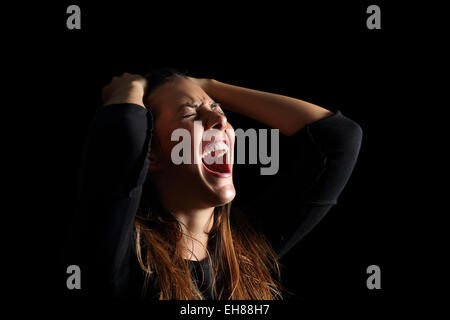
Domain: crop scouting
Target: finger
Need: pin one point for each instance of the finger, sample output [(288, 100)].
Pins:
[(142, 81)]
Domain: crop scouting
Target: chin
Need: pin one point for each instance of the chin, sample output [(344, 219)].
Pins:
[(225, 195), (217, 191)]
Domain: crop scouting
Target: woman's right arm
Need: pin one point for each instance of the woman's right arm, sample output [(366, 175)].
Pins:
[(113, 169)]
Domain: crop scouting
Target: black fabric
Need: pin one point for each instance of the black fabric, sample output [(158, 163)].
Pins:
[(318, 161), (201, 272)]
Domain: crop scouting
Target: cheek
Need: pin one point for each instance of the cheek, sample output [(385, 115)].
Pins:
[(230, 131), (163, 133), (182, 133)]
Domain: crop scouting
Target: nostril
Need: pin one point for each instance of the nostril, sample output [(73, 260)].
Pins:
[(221, 123)]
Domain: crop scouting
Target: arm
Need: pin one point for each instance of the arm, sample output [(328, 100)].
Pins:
[(319, 160), (316, 162), (113, 169), (284, 113)]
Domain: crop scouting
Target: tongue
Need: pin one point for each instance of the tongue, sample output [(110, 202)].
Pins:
[(222, 168)]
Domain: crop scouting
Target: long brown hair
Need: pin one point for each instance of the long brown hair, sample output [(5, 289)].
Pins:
[(243, 264)]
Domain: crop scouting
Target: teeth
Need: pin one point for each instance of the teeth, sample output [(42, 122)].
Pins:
[(219, 148), (220, 153)]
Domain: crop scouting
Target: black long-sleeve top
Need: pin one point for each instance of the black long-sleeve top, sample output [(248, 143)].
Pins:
[(321, 158)]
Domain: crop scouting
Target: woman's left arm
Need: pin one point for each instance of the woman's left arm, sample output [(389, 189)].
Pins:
[(315, 164), (287, 114)]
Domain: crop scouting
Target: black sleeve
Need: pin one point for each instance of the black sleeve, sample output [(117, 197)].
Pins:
[(315, 164), (113, 169)]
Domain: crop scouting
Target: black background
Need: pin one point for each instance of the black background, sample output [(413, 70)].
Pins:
[(316, 51)]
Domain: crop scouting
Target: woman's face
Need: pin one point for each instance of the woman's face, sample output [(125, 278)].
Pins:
[(206, 181)]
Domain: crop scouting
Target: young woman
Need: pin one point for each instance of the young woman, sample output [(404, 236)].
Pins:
[(160, 230)]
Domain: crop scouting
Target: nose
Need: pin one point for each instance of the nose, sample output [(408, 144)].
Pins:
[(215, 120)]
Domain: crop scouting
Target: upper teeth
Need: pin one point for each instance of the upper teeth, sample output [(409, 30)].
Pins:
[(219, 148)]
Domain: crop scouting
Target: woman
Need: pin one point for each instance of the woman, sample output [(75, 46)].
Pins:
[(161, 230)]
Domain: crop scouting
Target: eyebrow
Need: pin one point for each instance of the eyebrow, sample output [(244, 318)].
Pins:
[(191, 105), (194, 106)]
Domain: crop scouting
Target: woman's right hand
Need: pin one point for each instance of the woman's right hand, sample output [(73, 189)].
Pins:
[(128, 88)]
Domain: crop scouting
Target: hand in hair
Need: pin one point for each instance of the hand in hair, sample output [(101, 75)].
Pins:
[(128, 88), (202, 83)]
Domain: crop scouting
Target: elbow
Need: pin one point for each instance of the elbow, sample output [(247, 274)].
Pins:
[(353, 133), (349, 138), (338, 134)]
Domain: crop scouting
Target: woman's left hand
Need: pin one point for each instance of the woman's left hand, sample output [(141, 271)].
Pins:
[(201, 82)]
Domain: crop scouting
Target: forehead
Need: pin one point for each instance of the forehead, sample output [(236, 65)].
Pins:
[(171, 95)]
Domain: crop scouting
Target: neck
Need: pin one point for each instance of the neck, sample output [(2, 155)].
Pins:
[(195, 218), (195, 222), (195, 225)]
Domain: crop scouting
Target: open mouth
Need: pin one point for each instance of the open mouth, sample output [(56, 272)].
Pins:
[(215, 158)]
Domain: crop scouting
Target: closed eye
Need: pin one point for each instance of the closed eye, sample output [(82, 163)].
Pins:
[(214, 106), (217, 105)]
